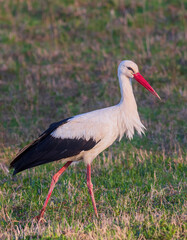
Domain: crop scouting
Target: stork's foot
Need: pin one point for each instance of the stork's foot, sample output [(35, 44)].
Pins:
[(40, 218)]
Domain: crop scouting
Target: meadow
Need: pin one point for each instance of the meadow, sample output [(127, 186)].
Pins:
[(59, 58)]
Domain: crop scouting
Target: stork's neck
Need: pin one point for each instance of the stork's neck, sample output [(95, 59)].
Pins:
[(129, 117), (126, 90)]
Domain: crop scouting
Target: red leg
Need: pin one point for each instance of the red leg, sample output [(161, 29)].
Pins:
[(53, 182), (90, 188)]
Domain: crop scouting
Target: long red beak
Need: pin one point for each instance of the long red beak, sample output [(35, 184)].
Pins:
[(139, 78)]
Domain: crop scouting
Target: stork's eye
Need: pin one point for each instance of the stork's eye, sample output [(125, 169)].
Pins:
[(130, 69)]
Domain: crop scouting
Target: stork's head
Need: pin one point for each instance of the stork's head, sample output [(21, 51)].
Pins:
[(130, 70)]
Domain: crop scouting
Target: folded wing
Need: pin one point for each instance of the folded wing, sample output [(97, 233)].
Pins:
[(48, 148)]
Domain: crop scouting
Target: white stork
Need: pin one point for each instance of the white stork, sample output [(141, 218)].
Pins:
[(84, 136)]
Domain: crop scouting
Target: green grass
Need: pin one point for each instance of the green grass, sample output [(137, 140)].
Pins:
[(60, 58)]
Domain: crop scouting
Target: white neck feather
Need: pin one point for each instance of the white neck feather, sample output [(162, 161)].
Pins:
[(128, 118)]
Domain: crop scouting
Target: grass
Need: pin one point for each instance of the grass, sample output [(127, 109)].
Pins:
[(58, 59)]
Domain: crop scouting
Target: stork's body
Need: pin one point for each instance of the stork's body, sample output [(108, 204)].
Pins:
[(84, 136)]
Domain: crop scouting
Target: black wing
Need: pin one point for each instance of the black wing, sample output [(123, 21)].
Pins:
[(47, 148)]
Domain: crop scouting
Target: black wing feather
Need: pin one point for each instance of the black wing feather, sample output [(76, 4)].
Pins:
[(47, 148)]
